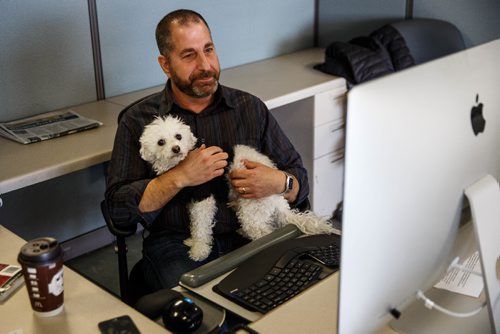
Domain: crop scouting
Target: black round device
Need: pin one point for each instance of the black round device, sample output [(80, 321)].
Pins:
[(182, 316), (179, 314)]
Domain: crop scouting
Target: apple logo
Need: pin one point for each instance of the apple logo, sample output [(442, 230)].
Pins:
[(476, 117)]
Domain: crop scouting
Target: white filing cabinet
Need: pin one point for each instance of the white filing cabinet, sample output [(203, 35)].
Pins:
[(327, 174), (322, 149)]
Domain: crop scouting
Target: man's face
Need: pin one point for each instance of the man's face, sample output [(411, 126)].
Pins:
[(193, 65)]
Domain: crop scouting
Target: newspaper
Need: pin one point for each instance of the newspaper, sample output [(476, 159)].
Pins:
[(46, 126)]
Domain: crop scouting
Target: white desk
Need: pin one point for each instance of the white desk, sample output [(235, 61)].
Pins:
[(24, 165), (85, 304)]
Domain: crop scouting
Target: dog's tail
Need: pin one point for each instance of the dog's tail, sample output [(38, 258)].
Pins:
[(307, 222)]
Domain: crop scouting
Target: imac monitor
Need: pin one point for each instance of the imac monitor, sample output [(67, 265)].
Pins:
[(414, 141)]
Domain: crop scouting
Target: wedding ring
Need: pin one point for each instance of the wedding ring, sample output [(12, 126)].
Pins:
[(243, 190)]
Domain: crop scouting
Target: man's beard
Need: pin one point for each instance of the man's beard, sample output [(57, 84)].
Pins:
[(190, 86)]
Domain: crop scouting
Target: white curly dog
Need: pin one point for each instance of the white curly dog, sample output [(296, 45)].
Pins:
[(167, 140)]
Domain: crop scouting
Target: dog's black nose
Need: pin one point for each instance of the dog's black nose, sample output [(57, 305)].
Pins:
[(176, 149)]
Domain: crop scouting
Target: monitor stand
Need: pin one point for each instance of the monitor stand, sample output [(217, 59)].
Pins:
[(484, 201)]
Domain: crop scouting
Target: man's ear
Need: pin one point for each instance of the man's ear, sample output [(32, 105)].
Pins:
[(163, 61)]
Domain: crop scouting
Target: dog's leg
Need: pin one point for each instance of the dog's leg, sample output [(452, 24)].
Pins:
[(255, 218), (202, 216)]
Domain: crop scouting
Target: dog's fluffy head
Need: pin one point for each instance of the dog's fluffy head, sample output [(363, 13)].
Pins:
[(165, 142)]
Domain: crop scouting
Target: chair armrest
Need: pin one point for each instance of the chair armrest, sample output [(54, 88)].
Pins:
[(115, 230)]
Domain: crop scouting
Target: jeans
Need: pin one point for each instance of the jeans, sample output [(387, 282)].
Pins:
[(166, 258)]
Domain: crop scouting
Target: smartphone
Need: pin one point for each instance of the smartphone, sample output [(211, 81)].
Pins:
[(118, 325)]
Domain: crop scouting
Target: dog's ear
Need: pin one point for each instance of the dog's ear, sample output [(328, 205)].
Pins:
[(146, 154), (191, 140)]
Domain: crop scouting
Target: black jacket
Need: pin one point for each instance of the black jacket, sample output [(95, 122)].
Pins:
[(363, 58)]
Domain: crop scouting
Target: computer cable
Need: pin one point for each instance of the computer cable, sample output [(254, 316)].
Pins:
[(432, 305)]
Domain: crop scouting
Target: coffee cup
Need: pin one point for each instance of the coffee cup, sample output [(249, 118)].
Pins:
[(42, 265)]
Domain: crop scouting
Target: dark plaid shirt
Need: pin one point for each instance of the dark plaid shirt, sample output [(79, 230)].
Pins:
[(235, 117)]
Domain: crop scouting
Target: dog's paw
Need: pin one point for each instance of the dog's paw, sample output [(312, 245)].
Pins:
[(199, 252), (259, 233), (255, 231)]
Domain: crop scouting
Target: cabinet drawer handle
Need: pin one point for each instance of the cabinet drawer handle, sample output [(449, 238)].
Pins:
[(338, 126), (339, 155)]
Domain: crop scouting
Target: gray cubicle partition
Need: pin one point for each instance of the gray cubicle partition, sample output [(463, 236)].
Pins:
[(45, 56), (344, 19), (341, 20), (477, 20)]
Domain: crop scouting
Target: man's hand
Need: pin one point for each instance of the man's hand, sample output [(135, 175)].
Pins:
[(201, 165), (259, 181)]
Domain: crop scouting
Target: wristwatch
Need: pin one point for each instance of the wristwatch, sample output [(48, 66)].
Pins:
[(288, 183)]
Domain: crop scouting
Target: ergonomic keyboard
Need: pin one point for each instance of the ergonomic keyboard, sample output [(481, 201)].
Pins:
[(280, 272)]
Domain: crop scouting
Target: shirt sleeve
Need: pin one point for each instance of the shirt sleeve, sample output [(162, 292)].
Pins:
[(279, 148), (128, 176)]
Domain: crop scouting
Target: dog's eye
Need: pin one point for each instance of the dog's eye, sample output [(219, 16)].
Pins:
[(178, 137), (161, 142)]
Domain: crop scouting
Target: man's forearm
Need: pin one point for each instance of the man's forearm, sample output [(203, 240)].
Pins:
[(159, 192)]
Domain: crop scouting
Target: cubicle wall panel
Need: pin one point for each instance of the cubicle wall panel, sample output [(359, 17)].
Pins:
[(341, 20), (64, 207), (45, 58), (243, 32), (260, 29), (477, 20)]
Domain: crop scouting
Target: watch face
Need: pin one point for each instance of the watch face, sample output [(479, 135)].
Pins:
[(289, 183)]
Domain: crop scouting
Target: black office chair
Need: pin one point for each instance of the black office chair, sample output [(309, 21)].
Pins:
[(428, 39), (132, 286), (124, 110)]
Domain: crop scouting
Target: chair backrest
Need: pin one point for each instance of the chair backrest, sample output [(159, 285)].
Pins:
[(124, 110), (428, 39)]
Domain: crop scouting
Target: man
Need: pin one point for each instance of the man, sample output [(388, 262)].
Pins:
[(220, 117)]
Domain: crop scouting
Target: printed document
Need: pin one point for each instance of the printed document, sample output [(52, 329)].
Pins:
[(465, 282)]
